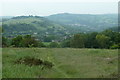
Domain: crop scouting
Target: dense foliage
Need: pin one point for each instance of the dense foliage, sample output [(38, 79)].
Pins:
[(106, 39), (22, 41)]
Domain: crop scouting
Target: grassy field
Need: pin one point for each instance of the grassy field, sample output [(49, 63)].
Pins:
[(68, 63)]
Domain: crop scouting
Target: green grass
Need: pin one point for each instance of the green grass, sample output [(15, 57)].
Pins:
[(68, 63)]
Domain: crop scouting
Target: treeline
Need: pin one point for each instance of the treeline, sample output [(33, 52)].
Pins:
[(21, 41), (107, 39)]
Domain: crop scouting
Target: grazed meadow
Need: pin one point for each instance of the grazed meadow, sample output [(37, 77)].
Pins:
[(67, 63)]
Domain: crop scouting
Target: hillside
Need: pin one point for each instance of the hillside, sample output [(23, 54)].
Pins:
[(85, 22), (117, 29), (57, 26), (35, 25)]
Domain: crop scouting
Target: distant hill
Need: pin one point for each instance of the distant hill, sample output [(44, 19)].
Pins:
[(35, 25), (86, 22), (117, 29), (4, 18), (58, 25)]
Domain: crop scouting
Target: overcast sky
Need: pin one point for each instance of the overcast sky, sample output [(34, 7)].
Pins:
[(48, 7)]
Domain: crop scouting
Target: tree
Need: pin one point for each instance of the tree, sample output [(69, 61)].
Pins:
[(90, 40), (111, 35), (26, 41), (4, 42), (17, 41), (41, 44), (103, 41), (77, 41), (115, 46), (54, 45), (29, 41), (65, 43)]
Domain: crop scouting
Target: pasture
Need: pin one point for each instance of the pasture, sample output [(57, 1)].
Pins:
[(67, 63)]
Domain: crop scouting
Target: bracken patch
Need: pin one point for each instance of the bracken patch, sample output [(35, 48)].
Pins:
[(33, 61)]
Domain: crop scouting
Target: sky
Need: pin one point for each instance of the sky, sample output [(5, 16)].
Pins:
[(49, 7)]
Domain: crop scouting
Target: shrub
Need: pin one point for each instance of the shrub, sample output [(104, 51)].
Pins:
[(54, 45), (65, 43), (115, 46)]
